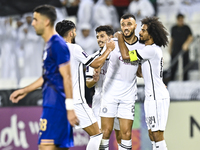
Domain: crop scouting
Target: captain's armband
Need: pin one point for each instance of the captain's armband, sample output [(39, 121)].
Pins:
[(133, 55)]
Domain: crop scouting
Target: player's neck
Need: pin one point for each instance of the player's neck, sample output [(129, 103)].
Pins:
[(48, 33), (149, 42), (68, 39), (130, 40)]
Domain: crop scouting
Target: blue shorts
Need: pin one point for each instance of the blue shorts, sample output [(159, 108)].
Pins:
[(55, 128)]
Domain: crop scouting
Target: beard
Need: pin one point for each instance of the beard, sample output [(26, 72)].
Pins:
[(131, 34), (73, 40), (142, 41)]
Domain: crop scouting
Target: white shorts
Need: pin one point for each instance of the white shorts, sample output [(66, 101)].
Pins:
[(85, 115), (117, 108), (96, 111), (156, 113)]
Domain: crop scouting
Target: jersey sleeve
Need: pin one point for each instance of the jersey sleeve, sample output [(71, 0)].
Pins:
[(60, 53), (83, 57), (89, 72), (147, 52)]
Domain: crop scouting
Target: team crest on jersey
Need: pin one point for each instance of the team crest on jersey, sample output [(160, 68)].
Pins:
[(104, 110), (85, 54)]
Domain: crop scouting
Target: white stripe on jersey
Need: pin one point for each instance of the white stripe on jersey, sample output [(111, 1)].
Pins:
[(78, 58), (152, 71)]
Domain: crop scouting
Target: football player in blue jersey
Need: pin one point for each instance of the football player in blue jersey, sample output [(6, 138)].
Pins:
[(58, 112)]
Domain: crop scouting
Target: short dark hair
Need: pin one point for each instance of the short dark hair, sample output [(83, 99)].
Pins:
[(63, 27), (180, 16), (126, 16), (108, 29), (156, 30), (48, 11)]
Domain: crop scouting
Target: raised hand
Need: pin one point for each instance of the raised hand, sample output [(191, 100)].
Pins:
[(110, 44)]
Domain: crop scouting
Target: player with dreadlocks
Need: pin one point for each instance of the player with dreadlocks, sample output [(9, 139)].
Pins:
[(157, 99)]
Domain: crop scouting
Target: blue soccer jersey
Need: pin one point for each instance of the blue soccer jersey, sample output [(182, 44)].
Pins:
[(55, 55), (54, 126)]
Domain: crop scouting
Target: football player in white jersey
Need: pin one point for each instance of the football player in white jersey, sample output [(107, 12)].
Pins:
[(157, 99), (120, 89), (88, 122), (96, 77)]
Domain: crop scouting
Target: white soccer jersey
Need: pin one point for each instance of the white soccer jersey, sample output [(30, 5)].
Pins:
[(120, 82), (78, 59), (152, 71), (98, 86)]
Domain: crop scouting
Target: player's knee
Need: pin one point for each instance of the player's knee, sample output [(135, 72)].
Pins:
[(106, 133), (158, 136), (126, 135), (151, 136), (119, 138)]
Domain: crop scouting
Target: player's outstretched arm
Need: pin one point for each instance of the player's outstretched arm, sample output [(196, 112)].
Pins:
[(100, 60), (123, 48), (90, 82), (21, 93), (65, 72)]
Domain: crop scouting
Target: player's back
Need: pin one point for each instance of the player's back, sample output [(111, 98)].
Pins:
[(120, 80)]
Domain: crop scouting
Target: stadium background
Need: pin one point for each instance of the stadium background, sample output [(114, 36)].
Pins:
[(19, 123)]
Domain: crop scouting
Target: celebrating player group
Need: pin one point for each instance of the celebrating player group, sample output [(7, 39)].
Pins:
[(112, 71)]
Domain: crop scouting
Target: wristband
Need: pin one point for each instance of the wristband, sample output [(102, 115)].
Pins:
[(69, 103)]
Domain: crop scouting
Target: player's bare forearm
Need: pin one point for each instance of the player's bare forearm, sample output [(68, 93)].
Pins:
[(35, 85), (98, 62), (90, 82), (65, 72), (139, 72), (21, 93), (123, 48)]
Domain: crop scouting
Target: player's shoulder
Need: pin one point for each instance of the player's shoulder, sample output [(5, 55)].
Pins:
[(114, 39), (152, 47), (74, 46), (57, 42), (140, 44), (55, 39)]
